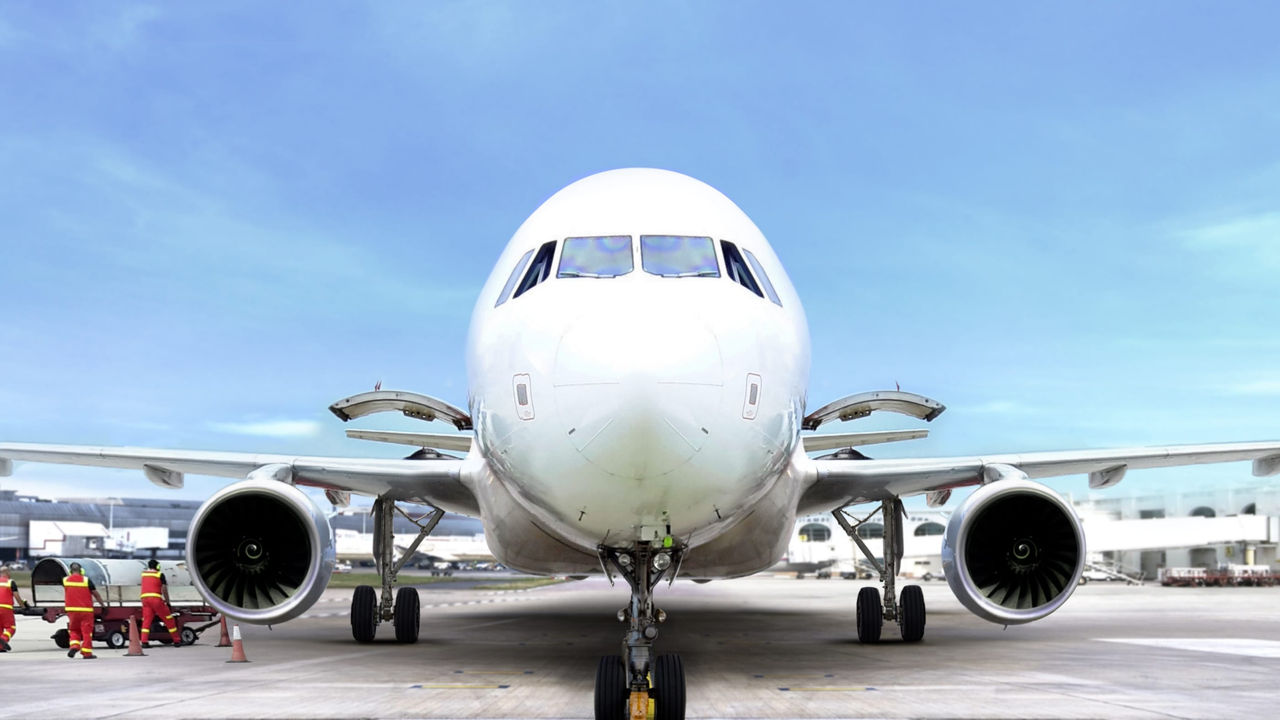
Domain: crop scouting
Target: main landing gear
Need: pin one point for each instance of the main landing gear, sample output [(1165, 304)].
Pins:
[(908, 611), (367, 611), (625, 683)]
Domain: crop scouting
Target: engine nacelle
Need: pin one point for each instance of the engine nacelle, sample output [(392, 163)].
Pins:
[(1013, 552), (260, 551)]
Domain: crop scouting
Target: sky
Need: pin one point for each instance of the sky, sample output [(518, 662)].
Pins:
[(1060, 220)]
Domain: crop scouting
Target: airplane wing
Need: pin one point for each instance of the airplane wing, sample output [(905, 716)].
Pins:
[(435, 482), (836, 483)]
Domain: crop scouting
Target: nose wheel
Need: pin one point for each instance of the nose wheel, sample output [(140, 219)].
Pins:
[(626, 683)]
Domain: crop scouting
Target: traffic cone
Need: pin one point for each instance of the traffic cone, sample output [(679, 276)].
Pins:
[(225, 640), (237, 647), (135, 643)]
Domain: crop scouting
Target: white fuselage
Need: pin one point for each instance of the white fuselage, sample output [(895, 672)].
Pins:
[(611, 410)]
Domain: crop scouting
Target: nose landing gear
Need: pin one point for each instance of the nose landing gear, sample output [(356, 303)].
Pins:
[(623, 687)]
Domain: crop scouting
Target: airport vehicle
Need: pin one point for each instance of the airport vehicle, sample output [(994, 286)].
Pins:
[(119, 582), (638, 366)]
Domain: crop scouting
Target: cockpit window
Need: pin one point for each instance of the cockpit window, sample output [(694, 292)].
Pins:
[(737, 269), (596, 257), (678, 256), (511, 281), (539, 269), (762, 277)]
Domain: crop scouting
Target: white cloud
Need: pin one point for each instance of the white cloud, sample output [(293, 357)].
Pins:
[(997, 407), (269, 428), (1252, 237), (1260, 387)]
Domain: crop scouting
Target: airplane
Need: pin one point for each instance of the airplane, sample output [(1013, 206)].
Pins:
[(638, 366)]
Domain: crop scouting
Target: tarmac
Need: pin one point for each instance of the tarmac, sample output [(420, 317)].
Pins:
[(763, 647)]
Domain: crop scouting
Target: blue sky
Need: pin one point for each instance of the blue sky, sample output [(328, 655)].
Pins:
[(1061, 221)]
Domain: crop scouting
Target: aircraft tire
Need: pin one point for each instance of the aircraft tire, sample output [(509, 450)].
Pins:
[(611, 689), (911, 609), (668, 688), (408, 615), (364, 614), (870, 615)]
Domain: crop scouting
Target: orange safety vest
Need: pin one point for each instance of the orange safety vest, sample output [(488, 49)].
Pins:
[(151, 584), (78, 598), (6, 592)]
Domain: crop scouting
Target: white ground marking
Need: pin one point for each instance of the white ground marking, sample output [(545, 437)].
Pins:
[(1227, 646)]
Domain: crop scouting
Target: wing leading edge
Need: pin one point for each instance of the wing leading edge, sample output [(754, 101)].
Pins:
[(835, 483), (437, 482)]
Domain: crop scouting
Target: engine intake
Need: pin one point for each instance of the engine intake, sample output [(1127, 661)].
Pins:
[(1013, 552), (260, 551)]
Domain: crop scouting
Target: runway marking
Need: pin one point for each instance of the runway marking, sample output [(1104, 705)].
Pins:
[(1226, 646), (793, 677), (828, 688), (487, 601), (492, 672), (457, 686)]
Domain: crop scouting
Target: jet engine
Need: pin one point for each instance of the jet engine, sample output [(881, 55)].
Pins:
[(260, 551), (1013, 552)]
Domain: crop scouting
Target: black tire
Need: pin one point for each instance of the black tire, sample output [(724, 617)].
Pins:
[(611, 689), (115, 640), (188, 636), (912, 614), (870, 615), (62, 638), (364, 614), (408, 615), (668, 688)]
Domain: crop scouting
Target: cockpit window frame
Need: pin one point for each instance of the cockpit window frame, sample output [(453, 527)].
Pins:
[(539, 268), (762, 277), (738, 270), (516, 273)]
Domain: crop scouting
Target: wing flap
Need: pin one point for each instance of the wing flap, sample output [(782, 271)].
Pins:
[(813, 443), (461, 443)]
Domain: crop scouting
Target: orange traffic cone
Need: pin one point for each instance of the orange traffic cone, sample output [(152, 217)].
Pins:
[(237, 647), (225, 640), (135, 643)]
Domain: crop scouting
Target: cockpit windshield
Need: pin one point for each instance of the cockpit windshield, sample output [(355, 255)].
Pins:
[(678, 256), (596, 257)]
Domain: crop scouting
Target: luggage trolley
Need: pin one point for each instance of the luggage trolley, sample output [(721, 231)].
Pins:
[(119, 582)]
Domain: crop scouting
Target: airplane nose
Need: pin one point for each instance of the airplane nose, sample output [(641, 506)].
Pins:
[(633, 388)]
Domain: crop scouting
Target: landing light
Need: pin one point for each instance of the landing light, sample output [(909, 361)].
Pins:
[(661, 561)]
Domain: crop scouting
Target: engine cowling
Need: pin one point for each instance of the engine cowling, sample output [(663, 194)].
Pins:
[(260, 551), (1013, 552)]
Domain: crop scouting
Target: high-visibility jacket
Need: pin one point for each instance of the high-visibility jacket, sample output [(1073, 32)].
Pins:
[(151, 583), (78, 598), (6, 592)]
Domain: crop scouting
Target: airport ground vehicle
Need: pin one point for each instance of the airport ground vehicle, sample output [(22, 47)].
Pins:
[(119, 583)]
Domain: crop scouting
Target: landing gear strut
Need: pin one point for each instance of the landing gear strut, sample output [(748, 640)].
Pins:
[(908, 611), (623, 682), (403, 610)]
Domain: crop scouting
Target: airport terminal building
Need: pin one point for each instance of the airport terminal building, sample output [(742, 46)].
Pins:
[(33, 527), (1135, 535)]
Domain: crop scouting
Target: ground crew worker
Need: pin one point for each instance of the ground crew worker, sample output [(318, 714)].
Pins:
[(155, 602), (8, 594), (78, 602)]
